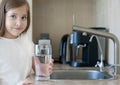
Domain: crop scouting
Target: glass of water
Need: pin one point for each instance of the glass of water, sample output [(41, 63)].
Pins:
[(43, 54)]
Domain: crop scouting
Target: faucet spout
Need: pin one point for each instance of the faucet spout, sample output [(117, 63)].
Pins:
[(106, 35)]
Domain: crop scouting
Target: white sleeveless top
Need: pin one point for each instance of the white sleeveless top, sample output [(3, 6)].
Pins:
[(15, 59)]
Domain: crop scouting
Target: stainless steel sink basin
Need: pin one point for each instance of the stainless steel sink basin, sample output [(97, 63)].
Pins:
[(80, 75)]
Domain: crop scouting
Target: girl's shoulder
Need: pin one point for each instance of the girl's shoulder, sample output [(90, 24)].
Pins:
[(26, 39)]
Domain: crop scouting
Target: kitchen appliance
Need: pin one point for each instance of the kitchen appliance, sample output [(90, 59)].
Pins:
[(78, 50), (82, 51)]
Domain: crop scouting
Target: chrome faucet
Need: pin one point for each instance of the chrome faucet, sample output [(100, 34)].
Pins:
[(106, 35), (100, 63)]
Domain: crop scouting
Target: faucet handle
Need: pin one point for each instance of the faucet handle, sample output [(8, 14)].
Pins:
[(97, 64), (100, 65)]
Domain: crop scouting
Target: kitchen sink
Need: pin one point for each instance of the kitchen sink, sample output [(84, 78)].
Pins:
[(80, 75)]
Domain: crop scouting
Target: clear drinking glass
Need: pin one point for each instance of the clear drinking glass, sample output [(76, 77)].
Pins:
[(43, 54)]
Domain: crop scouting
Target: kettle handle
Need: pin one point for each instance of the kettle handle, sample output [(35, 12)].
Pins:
[(62, 50)]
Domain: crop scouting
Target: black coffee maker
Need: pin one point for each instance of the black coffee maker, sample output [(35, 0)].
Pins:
[(83, 52)]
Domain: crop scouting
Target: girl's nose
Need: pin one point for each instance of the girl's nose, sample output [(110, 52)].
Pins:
[(18, 22)]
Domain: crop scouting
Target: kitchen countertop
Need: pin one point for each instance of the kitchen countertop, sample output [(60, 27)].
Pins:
[(74, 82)]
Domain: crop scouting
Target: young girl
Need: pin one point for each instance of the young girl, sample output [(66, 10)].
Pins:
[(16, 49)]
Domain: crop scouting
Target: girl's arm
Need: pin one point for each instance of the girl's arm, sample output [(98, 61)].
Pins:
[(33, 64)]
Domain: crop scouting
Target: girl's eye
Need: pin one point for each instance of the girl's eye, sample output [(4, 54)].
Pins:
[(13, 16), (24, 18)]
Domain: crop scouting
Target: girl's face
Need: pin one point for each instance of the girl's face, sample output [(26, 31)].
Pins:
[(15, 22)]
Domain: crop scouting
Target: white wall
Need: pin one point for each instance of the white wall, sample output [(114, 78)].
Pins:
[(108, 15)]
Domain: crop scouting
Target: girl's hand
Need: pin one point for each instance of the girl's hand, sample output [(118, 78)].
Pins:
[(25, 82), (51, 64)]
